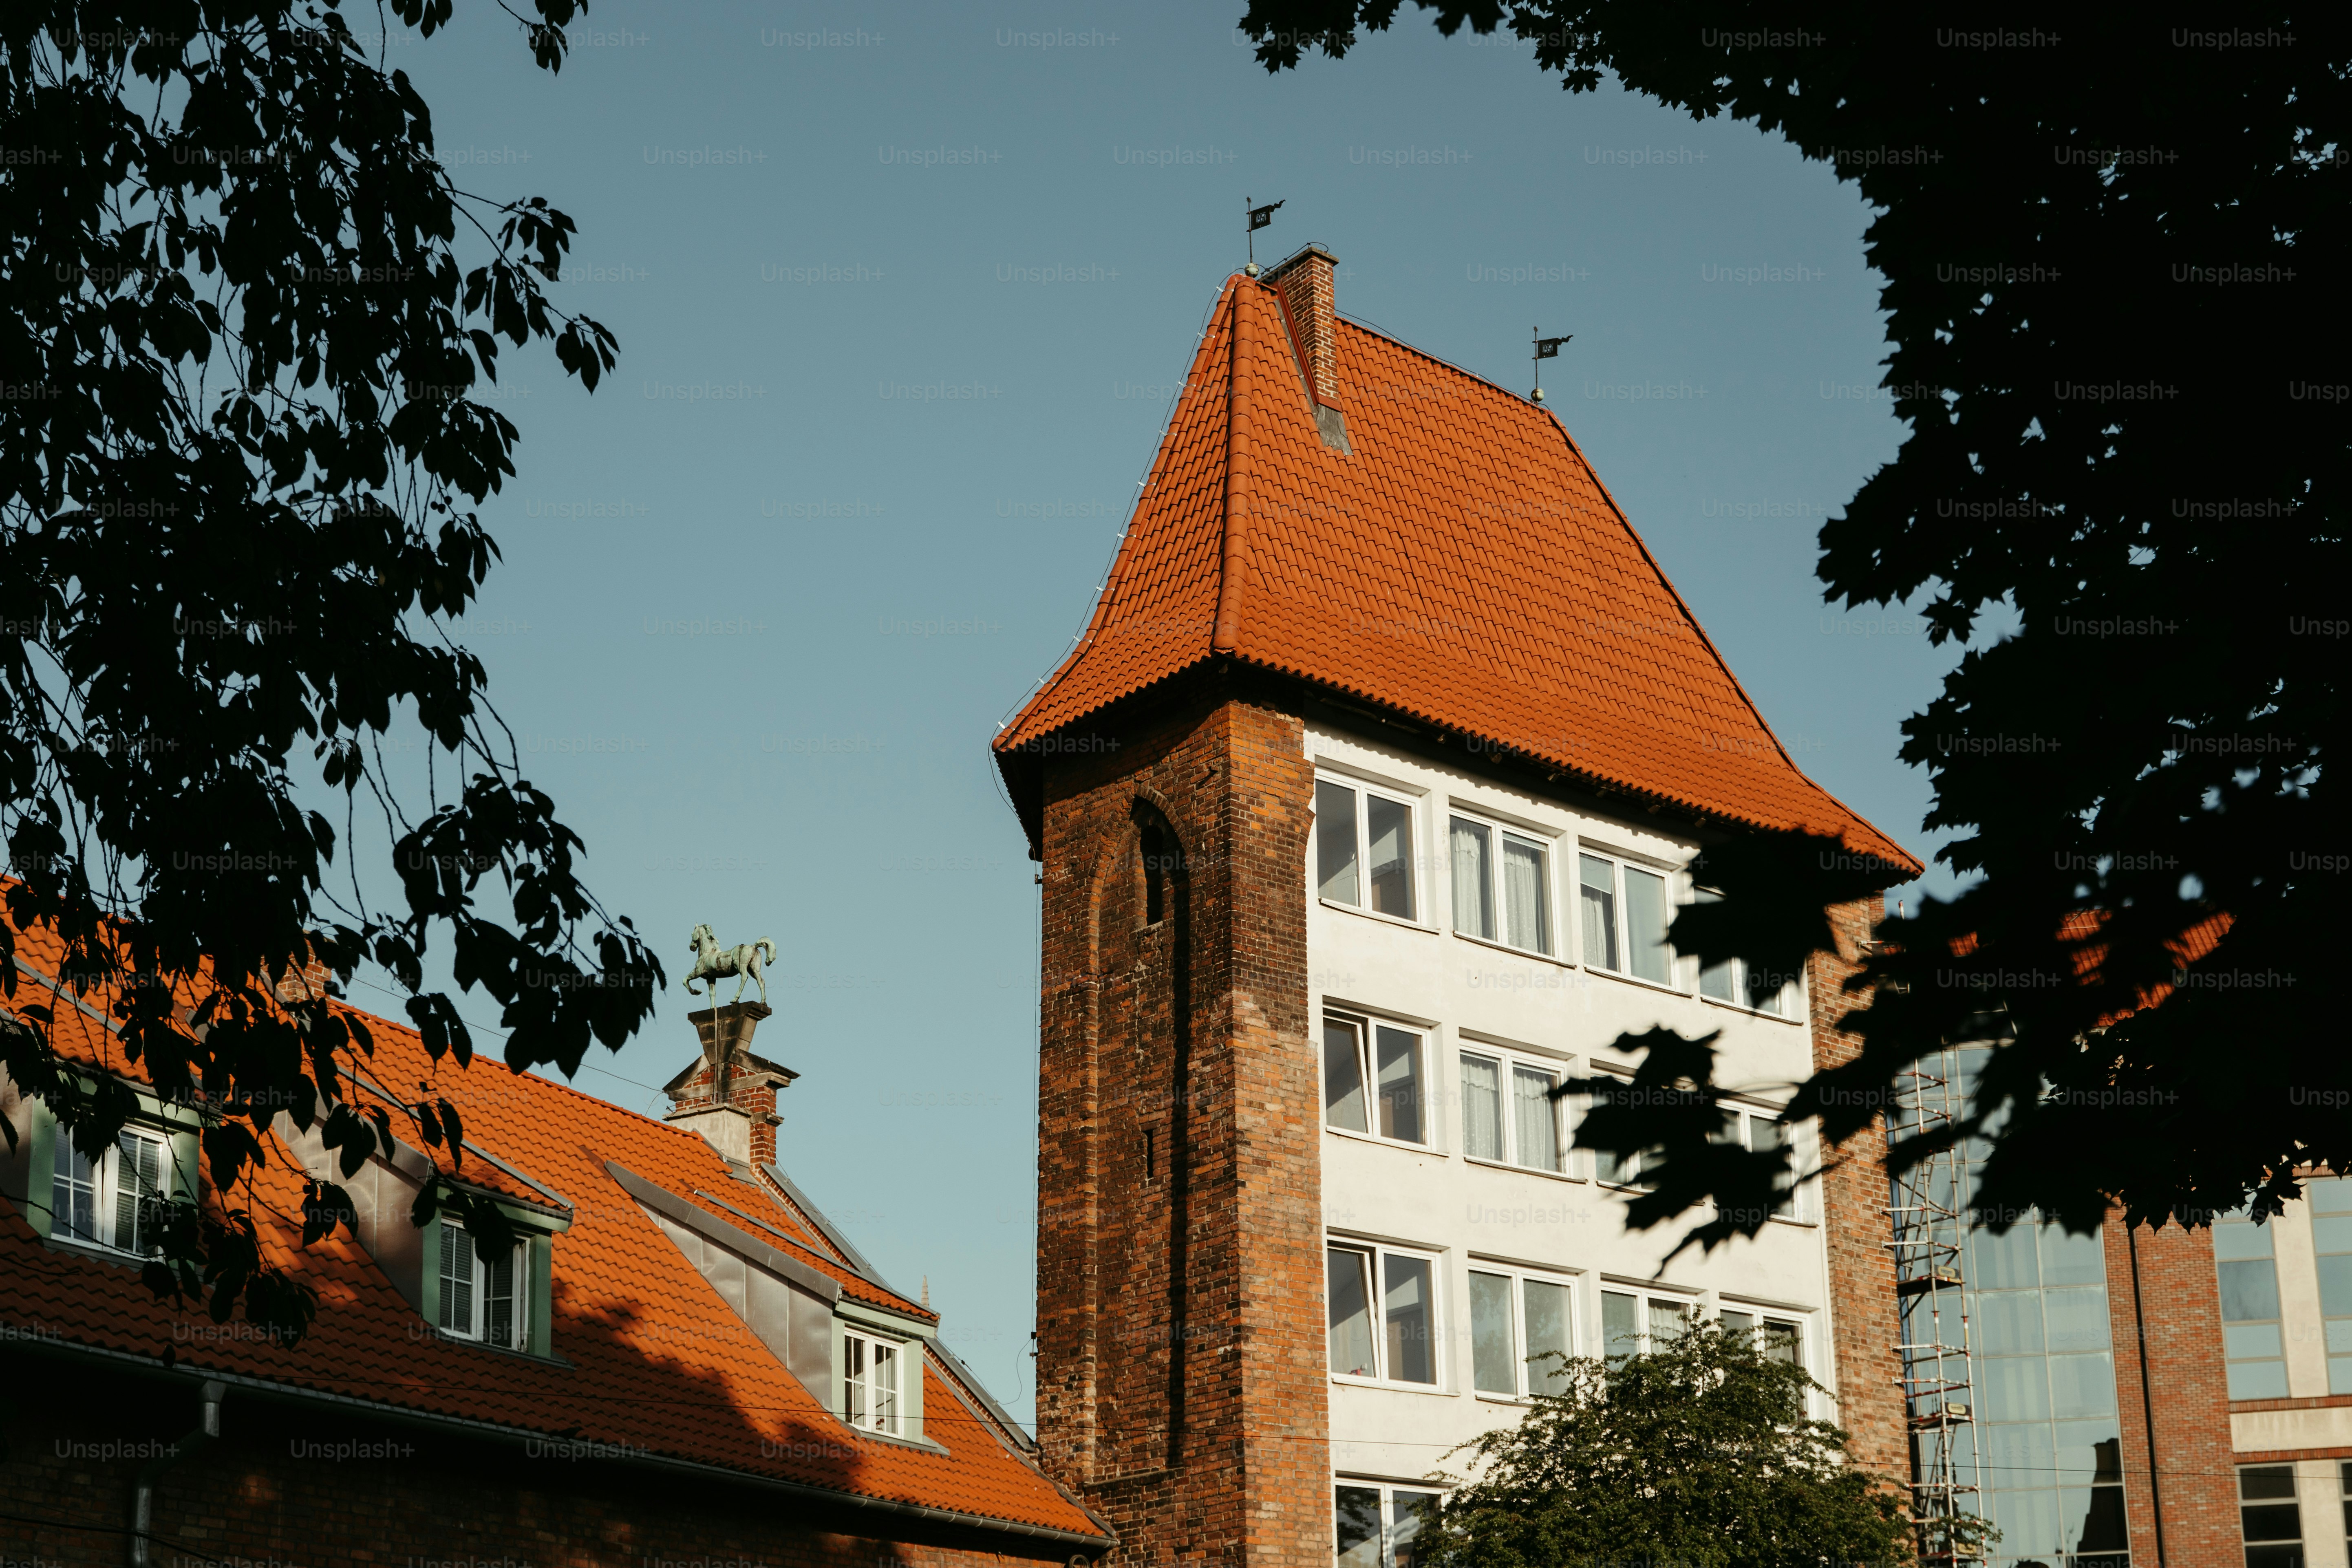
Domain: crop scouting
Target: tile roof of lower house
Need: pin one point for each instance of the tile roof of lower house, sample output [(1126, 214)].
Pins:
[(1461, 564), (653, 1361)]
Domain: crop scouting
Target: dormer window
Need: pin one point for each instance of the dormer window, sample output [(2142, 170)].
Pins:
[(114, 1201), (869, 1384), (478, 1296)]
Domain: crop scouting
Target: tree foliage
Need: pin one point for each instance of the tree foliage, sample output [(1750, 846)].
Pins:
[(2111, 251), (249, 323), (1699, 1455)]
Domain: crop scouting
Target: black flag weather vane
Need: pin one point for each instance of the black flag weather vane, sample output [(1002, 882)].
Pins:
[(1546, 348), (1258, 219)]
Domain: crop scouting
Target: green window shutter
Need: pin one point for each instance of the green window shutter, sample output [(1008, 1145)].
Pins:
[(40, 1170), (538, 1324)]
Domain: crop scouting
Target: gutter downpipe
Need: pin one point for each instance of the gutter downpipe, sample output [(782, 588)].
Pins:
[(142, 1491)]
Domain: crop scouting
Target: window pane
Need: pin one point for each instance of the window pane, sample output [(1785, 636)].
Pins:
[(1494, 1369), (2260, 1483), (2098, 1519), (1524, 898), (1620, 1324), (1408, 1512), (1349, 1293), (1665, 1323), (1392, 857), (1645, 926), (138, 1190), (2258, 1379), (1598, 895), (499, 1305), (1535, 1119), (1356, 1527), (2329, 1195), (2082, 1386), (884, 1377), (1406, 1307), (456, 1279), (1398, 1071), (1343, 1078), (2015, 1388), (1622, 1169), (1764, 989), (2249, 1290), (1482, 1108), (1782, 1342), (1335, 843), (1473, 880), (2235, 1238), (1546, 1319), (73, 1208), (2335, 1284), (855, 1408), (1738, 1324), (1763, 1134), (1716, 979)]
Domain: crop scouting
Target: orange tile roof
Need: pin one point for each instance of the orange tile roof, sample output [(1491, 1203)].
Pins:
[(658, 1363), (1463, 566)]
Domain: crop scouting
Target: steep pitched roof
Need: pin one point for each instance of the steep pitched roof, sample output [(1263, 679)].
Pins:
[(1462, 564), (654, 1361)]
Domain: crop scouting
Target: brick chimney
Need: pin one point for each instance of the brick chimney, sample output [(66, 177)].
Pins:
[(1305, 285), (727, 1094)]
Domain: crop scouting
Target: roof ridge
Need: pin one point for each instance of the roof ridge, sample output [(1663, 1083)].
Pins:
[(1225, 634)]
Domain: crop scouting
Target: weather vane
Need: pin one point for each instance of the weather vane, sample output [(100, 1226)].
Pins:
[(1258, 219), (1546, 348)]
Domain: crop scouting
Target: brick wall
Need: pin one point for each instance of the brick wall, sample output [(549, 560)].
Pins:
[(2195, 1470), (1180, 1384), (302, 1485), (1864, 1326)]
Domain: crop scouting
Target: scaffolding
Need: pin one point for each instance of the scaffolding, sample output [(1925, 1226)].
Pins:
[(1928, 1224)]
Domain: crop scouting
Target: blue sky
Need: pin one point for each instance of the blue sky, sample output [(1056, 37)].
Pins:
[(902, 294)]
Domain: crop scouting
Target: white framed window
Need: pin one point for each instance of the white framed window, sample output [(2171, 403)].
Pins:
[(1617, 1170), (1779, 1338), (869, 1382), (1622, 910), (1515, 1316), (1508, 1114), (1502, 884), (1364, 850), (1382, 1310), (2253, 1347), (481, 1294), (1633, 1322), (116, 1200), (1741, 983), (1745, 1126), (1378, 1526), (1373, 1074)]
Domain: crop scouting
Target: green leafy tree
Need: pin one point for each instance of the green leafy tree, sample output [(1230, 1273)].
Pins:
[(247, 319), (2112, 249), (1699, 1455)]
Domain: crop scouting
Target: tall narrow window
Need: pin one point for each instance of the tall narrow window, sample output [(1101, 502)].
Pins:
[(2251, 1340), (1618, 1170), (1388, 827), (2331, 1237), (1597, 892), (1374, 1526), (1399, 1053), (1548, 1346), (1356, 1517), (1535, 1119), (2269, 1516), (1343, 1077), (1349, 1306), (1474, 879), (1482, 1108), (1526, 897), (1335, 843), (1646, 912), (1620, 1324), (457, 1280), (1155, 864), (1494, 1345), (1720, 979), (1409, 1512)]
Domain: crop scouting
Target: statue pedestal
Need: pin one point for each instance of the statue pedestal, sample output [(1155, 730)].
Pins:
[(727, 1094), (726, 1030)]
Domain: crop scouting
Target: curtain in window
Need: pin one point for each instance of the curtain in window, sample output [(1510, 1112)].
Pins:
[(1645, 926), (1348, 1310), (1535, 1119), (1667, 1321), (1405, 1304), (1474, 881), (1599, 897), (1524, 903), (1482, 1108), (1494, 1369)]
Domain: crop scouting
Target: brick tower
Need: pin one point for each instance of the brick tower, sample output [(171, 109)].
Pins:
[(1360, 575)]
